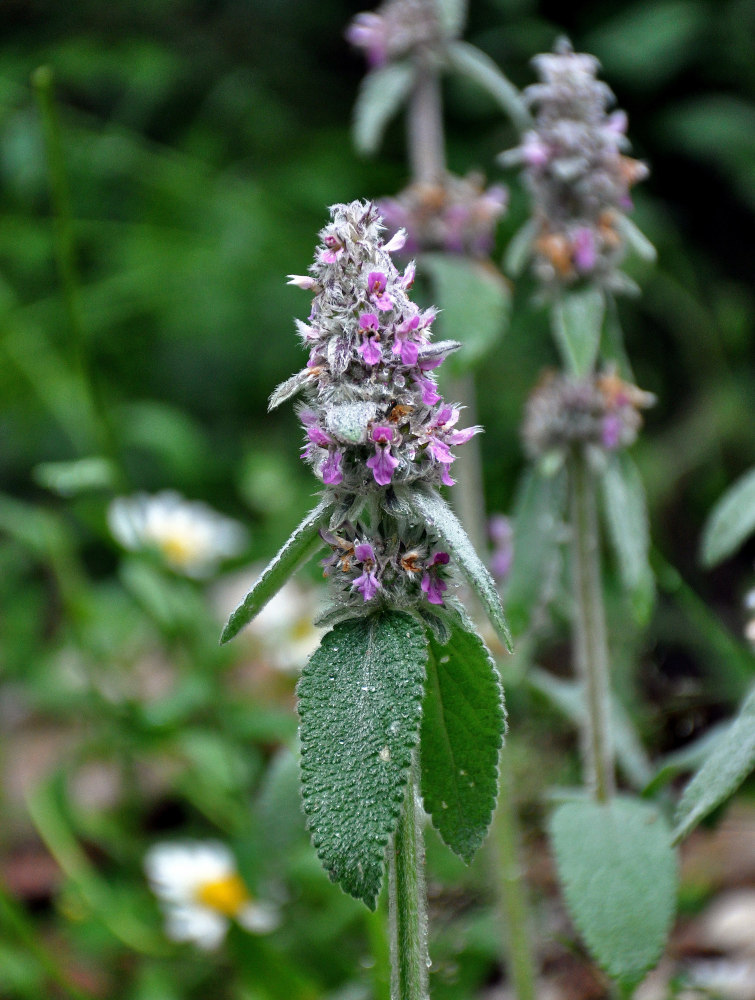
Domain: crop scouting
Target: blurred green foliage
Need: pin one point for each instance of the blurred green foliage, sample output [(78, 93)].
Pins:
[(202, 143)]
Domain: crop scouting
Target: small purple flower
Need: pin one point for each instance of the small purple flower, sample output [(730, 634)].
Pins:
[(433, 585), (533, 151), (396, 242), (611, 431), (334, 249), (369, 349), (406, 348), (502, 536), (318, 436), (368, 31), (430, 394), (382, 462), (583, 248), (440, 451), (409, 274), (376, 282), (331, 469), (303, 281), (367, 584)]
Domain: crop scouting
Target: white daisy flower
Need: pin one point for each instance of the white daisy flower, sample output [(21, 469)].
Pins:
[(200, 892), (190, 537)]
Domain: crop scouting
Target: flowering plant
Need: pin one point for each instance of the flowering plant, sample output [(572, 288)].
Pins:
[(379, 438)]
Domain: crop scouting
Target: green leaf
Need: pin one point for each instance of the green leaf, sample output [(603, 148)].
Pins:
[(577, 320), (69, 479), (302, 544), (382, 92), (618, 872), (439, 517), (625, 511), (479, 67), (474, 299), (538, 523), (731, 521), (463, 723), (360, 699), (732, 759), (519, 250)]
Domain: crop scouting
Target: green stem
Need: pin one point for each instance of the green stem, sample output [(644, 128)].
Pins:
[(512, 897), (407, 902), (589, 630), (424, 122), (65, 254), (12, 917)]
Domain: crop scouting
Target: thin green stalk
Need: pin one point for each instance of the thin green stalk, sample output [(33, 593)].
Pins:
[(13, 918), (407, 902), (512, 897), (589, 630), (65, 255)]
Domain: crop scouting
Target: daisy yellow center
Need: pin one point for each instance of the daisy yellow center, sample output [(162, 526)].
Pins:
[(227, 895), (179, 550)]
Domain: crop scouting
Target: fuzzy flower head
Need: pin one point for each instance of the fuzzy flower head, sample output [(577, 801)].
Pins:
[(602, 411), (369, 565), (190, 537), (373, 417), (457, 216), (396, 29), (577, 172), (200, 892)]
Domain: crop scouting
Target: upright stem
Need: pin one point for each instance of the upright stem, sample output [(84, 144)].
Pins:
[(427, 155), (511, 895), (407, 902), (590, 643)]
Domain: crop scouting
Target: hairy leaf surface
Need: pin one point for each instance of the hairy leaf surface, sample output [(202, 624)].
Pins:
[(381, 95), (577, 325), (360, 699), (463, 723), (731, 760), (626, 515), (302, 544), (618, 872), (439, 517), (474, 300), (731, 521), (538, 524)]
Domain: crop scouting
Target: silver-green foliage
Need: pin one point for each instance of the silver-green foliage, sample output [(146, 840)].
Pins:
[(732, 759), (301, 545), (463, 722), (732, 520), (577, 325), (429, 505), (360, 700), (618, 872)]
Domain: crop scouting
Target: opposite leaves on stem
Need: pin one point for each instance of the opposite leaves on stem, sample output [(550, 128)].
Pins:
[(360, 700)]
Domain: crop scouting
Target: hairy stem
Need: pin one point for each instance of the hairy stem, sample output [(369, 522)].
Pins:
[(424, 122), (512, 897), (589, 631), (407, 902)]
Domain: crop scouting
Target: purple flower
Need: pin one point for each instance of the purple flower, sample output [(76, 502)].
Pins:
[(406, 349), (409, 274), (376, 282), (331, 469), (583, 247), (334, 249), (432, 583), (303, 281), (382, 462), (396, 242), (611, 431), (318, 436), (430, 395), (369, 349), (368, 31), (367, 584), (440, 451)]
